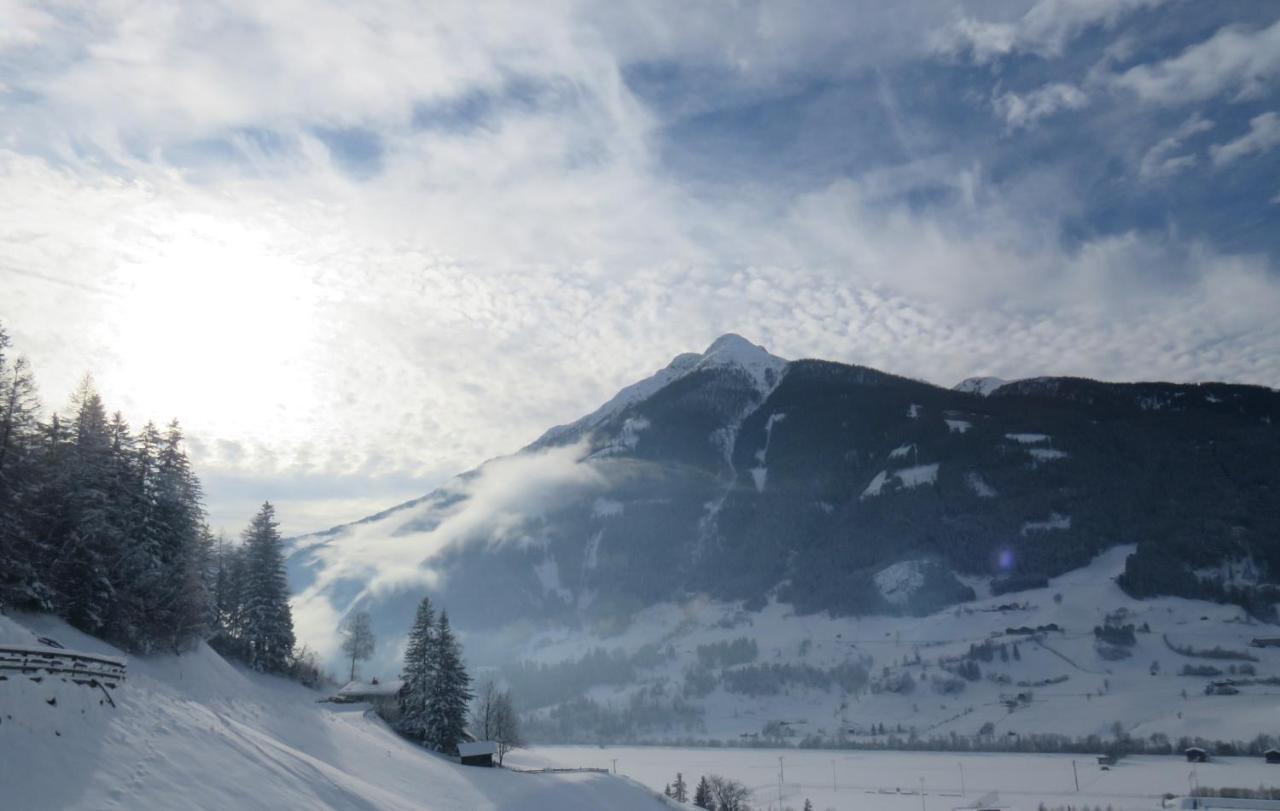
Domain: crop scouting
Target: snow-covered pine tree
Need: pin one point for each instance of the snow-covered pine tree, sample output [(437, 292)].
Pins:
[(449, 693), (419, 672), (268, 623), (180, 597), (702, 794), (20, 549), (680, 791), (88, 536)]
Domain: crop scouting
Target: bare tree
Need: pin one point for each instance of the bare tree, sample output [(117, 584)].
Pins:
[(358, 640), (728, 795), (508, 726), (484, 713)]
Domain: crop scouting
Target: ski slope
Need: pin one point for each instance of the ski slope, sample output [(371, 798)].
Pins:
[(195, 732)]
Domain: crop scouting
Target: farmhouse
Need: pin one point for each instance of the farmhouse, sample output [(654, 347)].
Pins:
[(1272, 755), (384, 696), (1197, 755)]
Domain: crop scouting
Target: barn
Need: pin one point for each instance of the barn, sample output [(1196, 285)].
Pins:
[(477, 753), (1197, 755)]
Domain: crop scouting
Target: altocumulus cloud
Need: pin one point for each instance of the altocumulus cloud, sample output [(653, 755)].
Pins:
[(376, 244)]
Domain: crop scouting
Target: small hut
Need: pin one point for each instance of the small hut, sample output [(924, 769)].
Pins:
[(1272, 755), (383, 696), (477, 753), (1197, 755)]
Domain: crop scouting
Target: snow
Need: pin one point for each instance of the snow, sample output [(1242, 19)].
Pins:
[(979, 485), (382, 688), (1047, 454), (980, 385), (1054, 521), (958, 426), (918, 475), (1097, 693), (758, 475), (548, 573), (900, 451), (913, 411), (1028, 439), (760, 472), (195, 732), (876, 485), (891, 781), (606, 508), (907, 477), (734, 351), (899, 581)]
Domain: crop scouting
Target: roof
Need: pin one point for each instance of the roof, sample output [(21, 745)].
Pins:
[(477, 748), (360, 688)]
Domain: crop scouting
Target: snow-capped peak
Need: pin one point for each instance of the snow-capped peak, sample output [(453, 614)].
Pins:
[(729, 350), (980, 385), (733, 350)]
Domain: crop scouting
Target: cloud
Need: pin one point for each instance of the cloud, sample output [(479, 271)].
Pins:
[(1236, 60), (1263, 134), (1044, 30), (1020, 111), (389, 243), (1161, 160)]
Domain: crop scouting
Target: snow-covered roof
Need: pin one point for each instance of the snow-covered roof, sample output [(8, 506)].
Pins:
[(382, 688), (470, 749)]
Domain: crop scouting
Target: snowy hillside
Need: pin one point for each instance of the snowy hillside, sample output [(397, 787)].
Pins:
[(802, 677), (195, 732)]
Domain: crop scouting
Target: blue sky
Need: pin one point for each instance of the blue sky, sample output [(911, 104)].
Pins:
[(359, 248)]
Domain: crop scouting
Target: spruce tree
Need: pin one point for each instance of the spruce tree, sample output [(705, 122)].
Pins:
[(702, 794), (20, 548), (679, 791), (450, 691), (419, 672), (267, 622)]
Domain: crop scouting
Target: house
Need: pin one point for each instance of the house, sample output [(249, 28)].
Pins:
[(1266, 642), (1106, 761), (1197, 755), (384, 696), (1272, 755), (477, 753)]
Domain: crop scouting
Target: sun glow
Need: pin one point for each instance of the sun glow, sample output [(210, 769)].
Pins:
[(206, 301)]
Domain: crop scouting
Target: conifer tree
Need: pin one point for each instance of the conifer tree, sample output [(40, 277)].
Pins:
[(267, 633), (679, 791), (702, 794), (419, 672), (20, 549), (450, 691)]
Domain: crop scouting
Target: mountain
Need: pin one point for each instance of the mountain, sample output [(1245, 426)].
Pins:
[(739, 476)]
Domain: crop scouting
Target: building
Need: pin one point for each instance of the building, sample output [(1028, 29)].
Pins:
[(1272, 755), (1266, 642), (384, 697), (1197, 755), (477, 753)]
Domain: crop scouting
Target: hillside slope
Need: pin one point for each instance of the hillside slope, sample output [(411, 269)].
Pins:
[(195, 732)]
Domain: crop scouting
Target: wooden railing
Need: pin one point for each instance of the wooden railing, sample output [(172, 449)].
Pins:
[(85, 669)]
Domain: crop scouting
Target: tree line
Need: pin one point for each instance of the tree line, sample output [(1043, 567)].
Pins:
[(105, 526)]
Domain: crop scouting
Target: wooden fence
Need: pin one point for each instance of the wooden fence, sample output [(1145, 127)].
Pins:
[(85, 669)]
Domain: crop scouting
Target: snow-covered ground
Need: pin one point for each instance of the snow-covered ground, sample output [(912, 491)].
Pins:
[(195, 732), (1095, 693), (891, 781)]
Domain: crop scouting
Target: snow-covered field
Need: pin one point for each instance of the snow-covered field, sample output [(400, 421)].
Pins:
[(891, 781), (194, 732)]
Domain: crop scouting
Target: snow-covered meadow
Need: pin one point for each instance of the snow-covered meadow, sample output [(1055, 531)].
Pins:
[(891, 781)]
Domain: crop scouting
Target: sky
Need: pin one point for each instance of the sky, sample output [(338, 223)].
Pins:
[(359, 248)]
